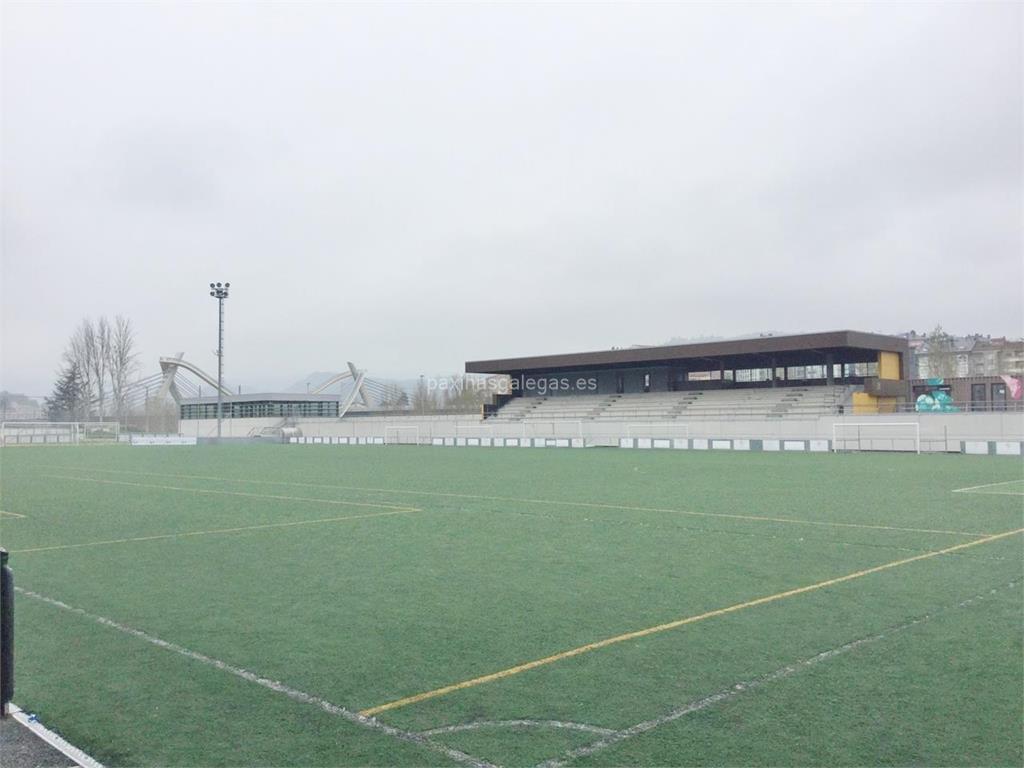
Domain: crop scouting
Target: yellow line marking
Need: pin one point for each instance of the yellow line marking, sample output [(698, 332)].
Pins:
[(5, 513), (237, 493), (986, 485), (240, 529), (372, 711), (556, 502)]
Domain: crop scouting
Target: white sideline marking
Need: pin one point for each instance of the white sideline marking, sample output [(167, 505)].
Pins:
[(5, 513), (989, 485), (555, 502), (273, 685), (54, 740), (477, 724), (742, 687)]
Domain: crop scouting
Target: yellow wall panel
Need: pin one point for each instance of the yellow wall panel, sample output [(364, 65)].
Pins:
[(888, 365)]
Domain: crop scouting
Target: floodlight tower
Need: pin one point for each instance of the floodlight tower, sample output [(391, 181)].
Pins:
[(220, 292)]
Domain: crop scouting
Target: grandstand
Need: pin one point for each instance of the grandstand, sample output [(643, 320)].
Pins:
[(771, 377), (844, 389)]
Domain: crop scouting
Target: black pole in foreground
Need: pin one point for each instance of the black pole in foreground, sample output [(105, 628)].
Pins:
[(6, 634)]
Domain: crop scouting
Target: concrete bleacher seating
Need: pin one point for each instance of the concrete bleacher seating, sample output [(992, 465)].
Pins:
[(760, 403)]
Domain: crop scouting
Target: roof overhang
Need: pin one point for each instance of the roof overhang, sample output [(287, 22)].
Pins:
[(801, 349)]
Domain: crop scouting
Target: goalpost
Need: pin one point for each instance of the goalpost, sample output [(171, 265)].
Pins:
[(40, 433), (394, 435), (877, 436)]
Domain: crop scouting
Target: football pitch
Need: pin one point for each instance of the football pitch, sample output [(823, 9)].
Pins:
[(291, 605)]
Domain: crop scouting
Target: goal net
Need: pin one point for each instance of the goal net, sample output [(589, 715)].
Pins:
[(99, 432), (402, 435), (40, 433), (876, 436)]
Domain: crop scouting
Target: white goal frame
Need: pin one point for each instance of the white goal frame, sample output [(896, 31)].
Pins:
[(41, 429), (860, 425), (554, 424), (389, 429), (87, 428)]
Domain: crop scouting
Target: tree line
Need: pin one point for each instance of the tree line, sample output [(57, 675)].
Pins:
[(97, 365)]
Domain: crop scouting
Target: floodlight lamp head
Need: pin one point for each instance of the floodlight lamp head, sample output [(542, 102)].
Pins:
[(212, 285)]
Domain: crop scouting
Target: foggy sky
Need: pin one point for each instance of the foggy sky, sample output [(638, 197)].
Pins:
[(409, 187)]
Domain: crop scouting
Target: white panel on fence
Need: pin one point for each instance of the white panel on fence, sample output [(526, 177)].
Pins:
[(498, 442), (721, 445), (1007, 448), (662, 442), (540, 442), (378, 441), (511, 442), (680, 443), (978, 447), (643, 442), (741, 445), (460, 441), (551, 442), (163, 440), (562, 442), (486, 442), (293, 439), (318, 440), (449, 441), (820, 446), (771, 445), (437, 441), (474, 441), (700, 444), (345, 440), (577, 442), (625, 442), (794, 445)]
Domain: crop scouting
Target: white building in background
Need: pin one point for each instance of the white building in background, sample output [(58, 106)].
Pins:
[(15, 407)]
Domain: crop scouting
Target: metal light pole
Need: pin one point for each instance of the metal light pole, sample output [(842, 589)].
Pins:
[(220, 292)]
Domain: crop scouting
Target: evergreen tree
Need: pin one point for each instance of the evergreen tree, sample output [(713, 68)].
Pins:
[(68, 400)]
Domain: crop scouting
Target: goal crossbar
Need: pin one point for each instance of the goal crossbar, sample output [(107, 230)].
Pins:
[(862, 426), (389, 430)]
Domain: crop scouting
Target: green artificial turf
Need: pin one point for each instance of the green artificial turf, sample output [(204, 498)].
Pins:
[(456, 563)]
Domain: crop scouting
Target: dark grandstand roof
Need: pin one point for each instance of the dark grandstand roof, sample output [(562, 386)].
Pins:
[(801, 349)]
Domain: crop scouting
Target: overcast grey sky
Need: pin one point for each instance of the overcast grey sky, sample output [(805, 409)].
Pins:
[(411, 186)]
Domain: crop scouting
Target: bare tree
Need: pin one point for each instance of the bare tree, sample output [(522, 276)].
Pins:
[(122, 362), (942, 363)]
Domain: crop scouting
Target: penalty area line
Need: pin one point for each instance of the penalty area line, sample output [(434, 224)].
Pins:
[(979, 488), (520, 668), (246, 494), (278, 687), (561, 503), (239, 529)]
